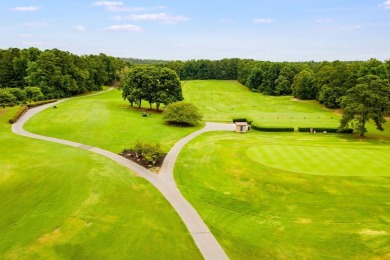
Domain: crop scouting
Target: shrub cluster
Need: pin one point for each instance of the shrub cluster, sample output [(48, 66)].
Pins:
[(150, 152), (183, 114), (242, 119), (40, 103), (325, 129), (272, 128), (18, 114)]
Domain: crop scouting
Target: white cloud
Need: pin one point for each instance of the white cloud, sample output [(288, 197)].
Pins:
[(25, 9), (34, 24), (80, 28), (385, 5), (325, 20), (107, 3), (263, 20), (125, 27), (352, 28), (162, 17)]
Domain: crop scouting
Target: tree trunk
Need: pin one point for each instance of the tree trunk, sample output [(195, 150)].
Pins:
[(140, 103), (158, 106)]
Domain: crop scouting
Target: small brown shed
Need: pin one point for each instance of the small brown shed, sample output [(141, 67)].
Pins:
[(241, 127)]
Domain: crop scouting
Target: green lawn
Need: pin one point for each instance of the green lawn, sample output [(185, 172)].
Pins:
[(221, 101), (106, 121), (59, 202), (290, 195)]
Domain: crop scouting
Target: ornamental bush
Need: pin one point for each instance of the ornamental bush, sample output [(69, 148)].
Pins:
[(150, 152), (183, 114), (18, 114)]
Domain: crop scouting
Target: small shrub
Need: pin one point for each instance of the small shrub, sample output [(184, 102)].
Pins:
[(18, 114), (272, 128), (182, 113), (150, 152)]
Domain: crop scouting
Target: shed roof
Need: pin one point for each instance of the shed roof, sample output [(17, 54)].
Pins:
[(241, 123)]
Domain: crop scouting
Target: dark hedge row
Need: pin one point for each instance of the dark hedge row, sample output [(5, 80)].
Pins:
[(325, 129), (18, 114), (242, 119), (272, 128), (40, 103)]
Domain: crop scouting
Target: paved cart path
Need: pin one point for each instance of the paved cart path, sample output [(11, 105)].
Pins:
[(164, 181)]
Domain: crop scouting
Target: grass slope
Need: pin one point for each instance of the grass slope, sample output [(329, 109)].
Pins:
[(221, 101), (105, 121), (58, 202), (261, 206)]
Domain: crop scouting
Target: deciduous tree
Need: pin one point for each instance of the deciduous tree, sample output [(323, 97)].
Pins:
[(182, 113), (368, 100)]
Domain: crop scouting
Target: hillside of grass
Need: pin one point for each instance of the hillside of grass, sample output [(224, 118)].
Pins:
[(106, 121), (59, 202), (290, 195), (223, 100)]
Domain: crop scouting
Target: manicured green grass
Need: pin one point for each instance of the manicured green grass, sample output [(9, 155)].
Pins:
[(58, 202), (290, 195), (221, 101), (106, 121)]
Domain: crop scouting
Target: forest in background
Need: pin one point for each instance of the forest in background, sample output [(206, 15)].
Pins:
[(61, 74)]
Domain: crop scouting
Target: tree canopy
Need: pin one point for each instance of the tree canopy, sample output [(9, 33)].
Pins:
[(368, 100), (156, 85), (57, 73), (182, 113)]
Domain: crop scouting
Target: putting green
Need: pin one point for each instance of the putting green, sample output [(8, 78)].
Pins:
[(275, 211), (324, 160)]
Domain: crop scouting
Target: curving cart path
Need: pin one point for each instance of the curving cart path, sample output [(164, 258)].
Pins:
[(164, 181)]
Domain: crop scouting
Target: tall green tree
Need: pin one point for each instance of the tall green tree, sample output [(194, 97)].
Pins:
[(156, 85), (368, 100), (303, 87)]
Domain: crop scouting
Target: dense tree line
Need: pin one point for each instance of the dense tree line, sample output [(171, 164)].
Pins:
[(324, 81), (55, 73)]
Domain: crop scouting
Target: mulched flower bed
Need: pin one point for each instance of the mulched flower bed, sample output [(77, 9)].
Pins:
[(131, 155)]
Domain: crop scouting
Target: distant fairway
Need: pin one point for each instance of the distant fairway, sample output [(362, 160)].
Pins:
[(290, 195), (223, 100), (58, 202)]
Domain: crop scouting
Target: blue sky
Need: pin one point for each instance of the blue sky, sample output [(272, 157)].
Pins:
[(278, 30)]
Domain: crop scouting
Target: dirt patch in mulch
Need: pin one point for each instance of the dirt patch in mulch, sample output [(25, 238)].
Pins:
[(131, 155)]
